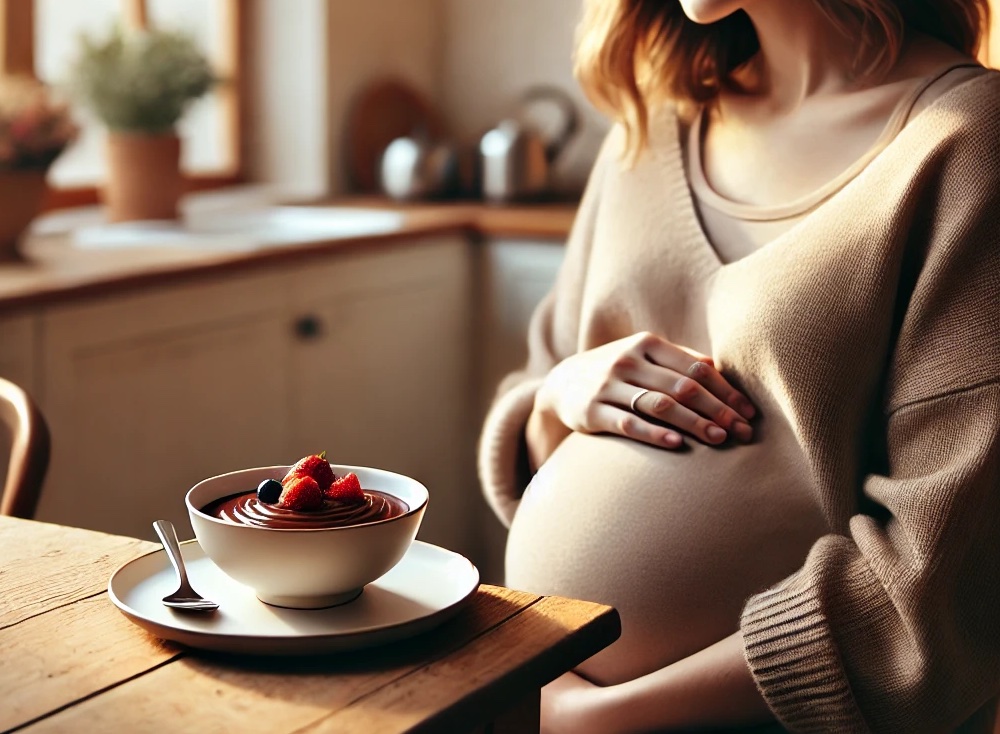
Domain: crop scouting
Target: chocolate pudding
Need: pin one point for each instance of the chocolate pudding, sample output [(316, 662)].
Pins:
[(245, 509)]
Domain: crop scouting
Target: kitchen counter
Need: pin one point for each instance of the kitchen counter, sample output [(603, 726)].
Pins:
[(73, 254), (548, 220), (201, 349)]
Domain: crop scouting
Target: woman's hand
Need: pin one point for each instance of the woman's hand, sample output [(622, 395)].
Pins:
[(641, 387)]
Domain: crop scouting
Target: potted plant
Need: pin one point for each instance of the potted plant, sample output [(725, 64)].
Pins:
[(34, 129), (139, 84)]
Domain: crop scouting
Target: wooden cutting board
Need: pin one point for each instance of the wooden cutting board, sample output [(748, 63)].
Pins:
[(382, 111)]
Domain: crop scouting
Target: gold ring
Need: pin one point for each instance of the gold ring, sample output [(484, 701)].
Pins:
[(635, 399)]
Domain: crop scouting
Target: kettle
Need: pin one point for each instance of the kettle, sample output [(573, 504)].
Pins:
[(516, 159), (415, 168)]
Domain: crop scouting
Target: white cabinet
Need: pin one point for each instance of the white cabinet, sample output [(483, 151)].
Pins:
[(18, 334), (363, 354), (381, 374), (17, 349), (386, 355), (513, 276), (147, 394)]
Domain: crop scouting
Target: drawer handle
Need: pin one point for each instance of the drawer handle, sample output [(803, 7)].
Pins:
[(308, 327)]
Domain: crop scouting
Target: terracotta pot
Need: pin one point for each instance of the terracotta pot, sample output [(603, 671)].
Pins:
[(144, 176), (21, 196)]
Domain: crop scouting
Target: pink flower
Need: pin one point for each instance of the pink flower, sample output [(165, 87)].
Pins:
[(34, 129)]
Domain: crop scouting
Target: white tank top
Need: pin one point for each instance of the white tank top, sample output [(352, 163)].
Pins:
[(736, 229)]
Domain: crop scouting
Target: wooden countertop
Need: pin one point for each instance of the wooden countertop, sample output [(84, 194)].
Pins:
[(537, 220), (53, 269), (73, 663)]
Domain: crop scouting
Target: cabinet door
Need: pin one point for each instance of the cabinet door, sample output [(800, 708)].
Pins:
[(514, 275), (17, 364), (17, 350), (149, 394), (381, 377)]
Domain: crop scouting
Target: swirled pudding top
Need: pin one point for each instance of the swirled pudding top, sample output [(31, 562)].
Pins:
[(245, 509)]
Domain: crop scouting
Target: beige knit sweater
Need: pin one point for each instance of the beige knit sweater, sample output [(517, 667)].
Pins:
[(872, 329)]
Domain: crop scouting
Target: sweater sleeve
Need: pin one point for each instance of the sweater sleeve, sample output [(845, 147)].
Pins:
[(892, 626), (552, 336)]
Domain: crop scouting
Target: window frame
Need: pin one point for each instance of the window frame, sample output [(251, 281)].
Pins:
[(17, 56)]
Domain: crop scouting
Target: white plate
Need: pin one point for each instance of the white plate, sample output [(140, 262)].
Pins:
[(425, 588)]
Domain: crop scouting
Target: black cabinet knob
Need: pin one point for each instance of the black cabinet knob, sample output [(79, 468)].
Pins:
[(308, 327)]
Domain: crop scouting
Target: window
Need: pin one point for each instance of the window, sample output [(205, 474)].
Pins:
[(41, 37)]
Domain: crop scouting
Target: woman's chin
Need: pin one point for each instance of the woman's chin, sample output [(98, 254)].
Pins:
[(705, 12)]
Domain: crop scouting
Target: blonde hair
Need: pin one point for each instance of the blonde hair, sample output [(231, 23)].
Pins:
[(634, 54)]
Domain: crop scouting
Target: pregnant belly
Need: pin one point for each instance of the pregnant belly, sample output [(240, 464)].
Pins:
[(675, 541)]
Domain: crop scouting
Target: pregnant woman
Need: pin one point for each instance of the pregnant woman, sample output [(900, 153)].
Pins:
[(761, 411)]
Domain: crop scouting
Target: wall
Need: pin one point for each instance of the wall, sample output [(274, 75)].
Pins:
[(289, 149), (370, 40), (471, 58), (494, 50), (311, 59)]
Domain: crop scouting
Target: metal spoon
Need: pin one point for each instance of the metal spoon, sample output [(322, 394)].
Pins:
[(185, 597)]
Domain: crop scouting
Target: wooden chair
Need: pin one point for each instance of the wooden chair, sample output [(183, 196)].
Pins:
[(29, 452)]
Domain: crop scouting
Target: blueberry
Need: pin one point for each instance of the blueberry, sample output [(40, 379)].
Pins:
[(269, 491)]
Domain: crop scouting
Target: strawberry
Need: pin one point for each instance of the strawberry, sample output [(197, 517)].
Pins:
[(315, 466), (301, 494), (347, 490)]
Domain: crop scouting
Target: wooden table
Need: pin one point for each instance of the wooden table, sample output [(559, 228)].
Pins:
[(71, 662)]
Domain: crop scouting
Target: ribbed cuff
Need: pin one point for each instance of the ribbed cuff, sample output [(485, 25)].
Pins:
[(793, 658), (499, 448)]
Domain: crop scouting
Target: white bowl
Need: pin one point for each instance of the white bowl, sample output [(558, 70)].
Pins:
[(306, 568)]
